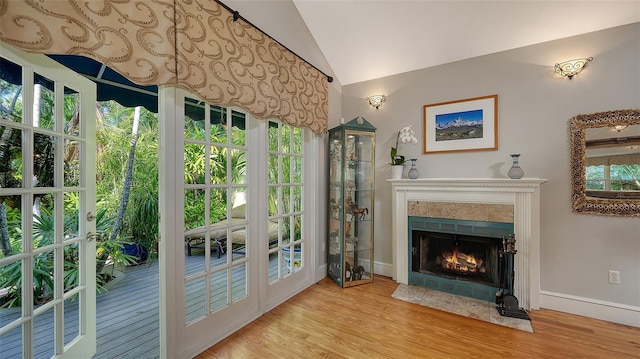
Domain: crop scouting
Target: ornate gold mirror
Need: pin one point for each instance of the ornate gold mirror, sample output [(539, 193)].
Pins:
[(605, 163)]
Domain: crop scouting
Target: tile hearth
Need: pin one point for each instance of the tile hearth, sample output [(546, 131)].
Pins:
[(468, 307)]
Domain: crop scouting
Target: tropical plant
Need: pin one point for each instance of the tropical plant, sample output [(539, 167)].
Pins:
[(128, 176), (43, 235), (11, 224), (11, 274), (5, 240), (110, 249), (121, 173), (143, 216)]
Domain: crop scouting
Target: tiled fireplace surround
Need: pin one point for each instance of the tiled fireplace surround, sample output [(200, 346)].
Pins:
[(491, 200)]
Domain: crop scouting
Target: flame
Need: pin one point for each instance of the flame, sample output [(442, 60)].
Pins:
[(451, 262)]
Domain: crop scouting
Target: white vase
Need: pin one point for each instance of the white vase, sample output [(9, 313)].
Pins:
[(396, 171), (413, 171)]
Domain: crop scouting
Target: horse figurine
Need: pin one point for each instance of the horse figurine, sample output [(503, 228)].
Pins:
[(359, 212)]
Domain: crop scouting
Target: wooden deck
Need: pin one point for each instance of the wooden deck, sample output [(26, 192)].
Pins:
[(127, 316)]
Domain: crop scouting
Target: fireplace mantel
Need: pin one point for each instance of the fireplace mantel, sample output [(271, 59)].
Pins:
[(523, 194)]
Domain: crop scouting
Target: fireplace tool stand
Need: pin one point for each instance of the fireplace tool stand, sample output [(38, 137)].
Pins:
[(507, 303)]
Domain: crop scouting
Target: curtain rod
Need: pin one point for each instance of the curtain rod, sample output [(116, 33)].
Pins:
[(236, 16)]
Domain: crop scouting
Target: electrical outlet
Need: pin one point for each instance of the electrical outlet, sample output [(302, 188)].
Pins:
[(614, 277)]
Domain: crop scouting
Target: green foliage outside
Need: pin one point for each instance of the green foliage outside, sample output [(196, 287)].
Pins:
[(621, 178), (227, 165), (113, 134), (220, 161)]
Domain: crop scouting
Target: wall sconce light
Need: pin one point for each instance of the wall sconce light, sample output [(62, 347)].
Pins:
[(572, 67), (620, 127), (376, 100)]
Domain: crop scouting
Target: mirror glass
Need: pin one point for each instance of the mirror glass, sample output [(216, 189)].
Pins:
[(605, 156), (613, 162)]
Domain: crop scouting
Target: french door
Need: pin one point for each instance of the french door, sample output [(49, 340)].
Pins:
[(47, 201), (207, 262), (234, 237), (287, 188)]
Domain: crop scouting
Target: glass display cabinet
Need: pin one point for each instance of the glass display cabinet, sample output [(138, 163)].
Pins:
[(350, 210)]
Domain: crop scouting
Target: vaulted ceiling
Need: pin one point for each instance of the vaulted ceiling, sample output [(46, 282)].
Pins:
[(367, 39)]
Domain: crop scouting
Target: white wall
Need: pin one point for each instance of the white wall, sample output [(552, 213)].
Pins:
[(534, 108)]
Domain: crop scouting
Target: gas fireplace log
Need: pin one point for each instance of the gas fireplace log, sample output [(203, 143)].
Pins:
[(465, 259), (467, 264), (468, 268), (462, 256), (459, 261)]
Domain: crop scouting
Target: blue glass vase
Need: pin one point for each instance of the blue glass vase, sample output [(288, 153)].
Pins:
[(515, 172)]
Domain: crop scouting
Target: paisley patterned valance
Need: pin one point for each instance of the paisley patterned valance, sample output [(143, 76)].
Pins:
[(194, 44)]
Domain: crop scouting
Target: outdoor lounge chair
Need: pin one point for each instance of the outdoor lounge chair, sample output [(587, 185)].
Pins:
[(239, 237), (195, 237)]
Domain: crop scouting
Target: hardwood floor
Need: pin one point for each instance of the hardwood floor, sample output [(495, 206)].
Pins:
[(325, 321)]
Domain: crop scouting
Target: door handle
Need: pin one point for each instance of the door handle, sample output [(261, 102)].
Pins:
[(91, 216)]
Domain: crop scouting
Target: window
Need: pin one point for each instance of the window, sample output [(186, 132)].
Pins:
[(624, 177)]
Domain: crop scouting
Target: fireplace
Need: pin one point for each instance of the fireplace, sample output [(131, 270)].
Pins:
[(456, 256), (479, 200), (465, 258)]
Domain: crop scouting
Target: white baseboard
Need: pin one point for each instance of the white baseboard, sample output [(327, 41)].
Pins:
[(592, 308), (321, 272), (385, 269), (380, 268)]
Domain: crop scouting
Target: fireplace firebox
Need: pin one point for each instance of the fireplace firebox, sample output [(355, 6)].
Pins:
[(456, 256)]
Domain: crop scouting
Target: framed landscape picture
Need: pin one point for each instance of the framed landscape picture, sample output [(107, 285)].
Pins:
[(463, 125)]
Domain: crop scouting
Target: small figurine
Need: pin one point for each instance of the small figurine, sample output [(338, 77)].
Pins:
[(358, 273), (348, 273), (360, 212), (357, 212)]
